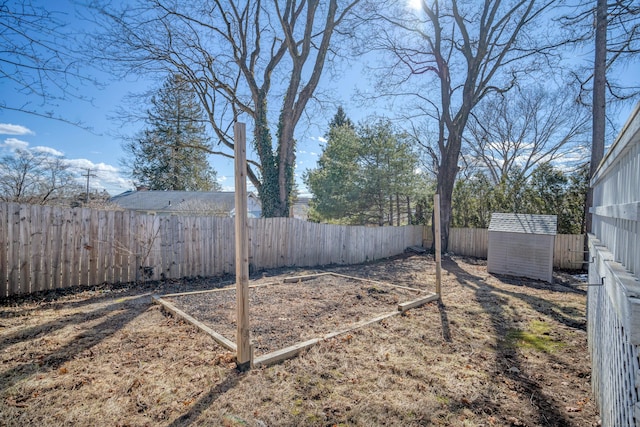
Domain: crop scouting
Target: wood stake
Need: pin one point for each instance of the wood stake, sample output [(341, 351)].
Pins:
[(438, 241), (243, 355)]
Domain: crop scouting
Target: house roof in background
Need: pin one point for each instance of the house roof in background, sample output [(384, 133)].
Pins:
[(176, 201), (524, 223)]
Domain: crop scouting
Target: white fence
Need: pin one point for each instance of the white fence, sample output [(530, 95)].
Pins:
[(614, 293)]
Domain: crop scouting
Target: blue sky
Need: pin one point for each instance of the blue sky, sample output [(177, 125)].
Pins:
[(99, 148), (96, 144)]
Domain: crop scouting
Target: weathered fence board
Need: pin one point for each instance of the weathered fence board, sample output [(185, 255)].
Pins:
[(4, 244), (43, 247)]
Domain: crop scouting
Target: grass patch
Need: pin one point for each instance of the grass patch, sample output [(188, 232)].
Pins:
[(536, 337)]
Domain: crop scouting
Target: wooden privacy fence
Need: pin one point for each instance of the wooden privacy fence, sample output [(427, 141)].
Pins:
[(568, 248), (45, 247)]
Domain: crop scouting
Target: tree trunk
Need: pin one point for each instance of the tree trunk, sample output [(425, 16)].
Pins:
[(445, 181), (398, 210), (268, 190), (599, 101), (286, 163)]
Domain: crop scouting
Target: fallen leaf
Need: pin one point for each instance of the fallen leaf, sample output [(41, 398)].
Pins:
[(573, 409)]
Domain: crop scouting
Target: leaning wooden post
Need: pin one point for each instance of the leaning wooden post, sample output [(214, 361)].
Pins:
[(243, 355), (438, 241)]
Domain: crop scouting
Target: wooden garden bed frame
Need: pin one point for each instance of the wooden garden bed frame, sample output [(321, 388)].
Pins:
[(293, 350)]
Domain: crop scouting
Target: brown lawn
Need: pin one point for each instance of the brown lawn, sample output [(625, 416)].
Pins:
[(497, 351)]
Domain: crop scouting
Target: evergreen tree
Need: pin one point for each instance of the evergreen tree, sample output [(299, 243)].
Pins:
[(364, 175), (340, 119), (548, 191), (169, 154)]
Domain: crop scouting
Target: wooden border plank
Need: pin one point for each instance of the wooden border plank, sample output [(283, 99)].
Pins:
[(226, 343), (360, 324), (379, 283), (304, 278), (402, 307), (283, 354)]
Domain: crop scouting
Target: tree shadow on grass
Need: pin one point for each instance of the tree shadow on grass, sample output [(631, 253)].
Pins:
[(117, 316), (71, 319), (508, 363), (232, 379)]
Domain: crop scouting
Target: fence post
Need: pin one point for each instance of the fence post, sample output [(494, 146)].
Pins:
[(243, 356), (438, 241)]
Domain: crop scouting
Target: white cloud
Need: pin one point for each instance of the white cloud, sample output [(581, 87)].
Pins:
[(313, 153), (9, 129), (15, 144), (319, 139), (48, 150), (222, 179)]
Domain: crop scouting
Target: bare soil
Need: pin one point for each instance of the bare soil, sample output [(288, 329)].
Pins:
[(283, 314), (497, 351)]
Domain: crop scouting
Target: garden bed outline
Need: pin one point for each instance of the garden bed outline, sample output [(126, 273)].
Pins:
[(293, 350)]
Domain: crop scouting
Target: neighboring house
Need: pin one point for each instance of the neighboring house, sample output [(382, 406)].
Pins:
[(221, 203)]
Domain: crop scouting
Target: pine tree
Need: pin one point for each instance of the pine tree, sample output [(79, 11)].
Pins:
[(340, 119), (169, 154), (365, 175)]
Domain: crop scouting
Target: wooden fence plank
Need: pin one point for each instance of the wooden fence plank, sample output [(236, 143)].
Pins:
[(130, 242), (13, 251), (25, 252), (66, 242), (93, 247), (57, 223), (72, 244), (4, 247), (110, 255), (116, 251), (37, 249), (84, 246)]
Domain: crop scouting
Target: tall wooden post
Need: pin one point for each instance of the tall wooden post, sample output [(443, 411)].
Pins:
[(243, 356), (438, 241)]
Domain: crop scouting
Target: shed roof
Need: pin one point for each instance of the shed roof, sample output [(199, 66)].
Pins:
[(524, 223)]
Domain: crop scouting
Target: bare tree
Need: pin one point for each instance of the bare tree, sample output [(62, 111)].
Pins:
[(470, 49), (38, 60), (524, 128), (240, 56), (28, 176)]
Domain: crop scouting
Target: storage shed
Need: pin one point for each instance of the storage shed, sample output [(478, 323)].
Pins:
[(522, 245)]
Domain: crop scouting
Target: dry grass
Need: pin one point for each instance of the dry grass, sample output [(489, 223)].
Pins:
[(497, 351)]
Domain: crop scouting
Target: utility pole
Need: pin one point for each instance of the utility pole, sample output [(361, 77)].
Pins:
[(88, 175)]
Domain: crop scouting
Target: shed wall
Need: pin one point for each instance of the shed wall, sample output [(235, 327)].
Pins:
[(516, 254)]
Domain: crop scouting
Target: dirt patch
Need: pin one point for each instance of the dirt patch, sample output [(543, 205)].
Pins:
[(496, 351), (283, 314)]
